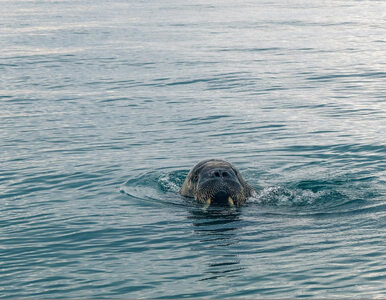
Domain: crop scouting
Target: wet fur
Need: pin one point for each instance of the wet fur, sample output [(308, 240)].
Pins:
[(238, 191)]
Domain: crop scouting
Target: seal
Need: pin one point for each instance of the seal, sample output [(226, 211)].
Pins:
[(216, 182)]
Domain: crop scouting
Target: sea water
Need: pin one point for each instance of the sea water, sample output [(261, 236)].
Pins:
[(106, 105)]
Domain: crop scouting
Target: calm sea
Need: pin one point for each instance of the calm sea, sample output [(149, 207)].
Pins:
[(106, 105)]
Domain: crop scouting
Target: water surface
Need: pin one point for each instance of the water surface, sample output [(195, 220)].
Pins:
[(105, 106)]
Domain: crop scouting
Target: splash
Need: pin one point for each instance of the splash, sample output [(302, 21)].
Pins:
[(171, 182), (320, 195), (281, 196)]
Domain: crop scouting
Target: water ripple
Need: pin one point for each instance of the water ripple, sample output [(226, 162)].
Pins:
[(104, 107)]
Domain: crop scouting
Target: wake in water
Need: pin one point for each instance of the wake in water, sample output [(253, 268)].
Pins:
[(324, 195)]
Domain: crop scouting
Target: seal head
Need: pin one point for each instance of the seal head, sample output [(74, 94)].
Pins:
[(216, 182)]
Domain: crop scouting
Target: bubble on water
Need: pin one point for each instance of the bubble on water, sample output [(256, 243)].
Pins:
[(281, 196), (171, 182)]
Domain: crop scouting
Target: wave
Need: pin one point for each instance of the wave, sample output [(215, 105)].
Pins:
[(340, 193)]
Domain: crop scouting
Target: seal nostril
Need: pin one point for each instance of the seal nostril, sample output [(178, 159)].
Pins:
[(225, 174), (217, 174)]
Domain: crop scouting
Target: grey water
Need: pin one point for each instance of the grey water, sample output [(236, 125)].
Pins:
[(106, 105)]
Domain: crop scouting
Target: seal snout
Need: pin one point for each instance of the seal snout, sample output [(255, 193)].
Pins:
[(220, 173)]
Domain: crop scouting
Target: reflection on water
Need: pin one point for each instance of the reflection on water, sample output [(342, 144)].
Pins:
[(218, 231)]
